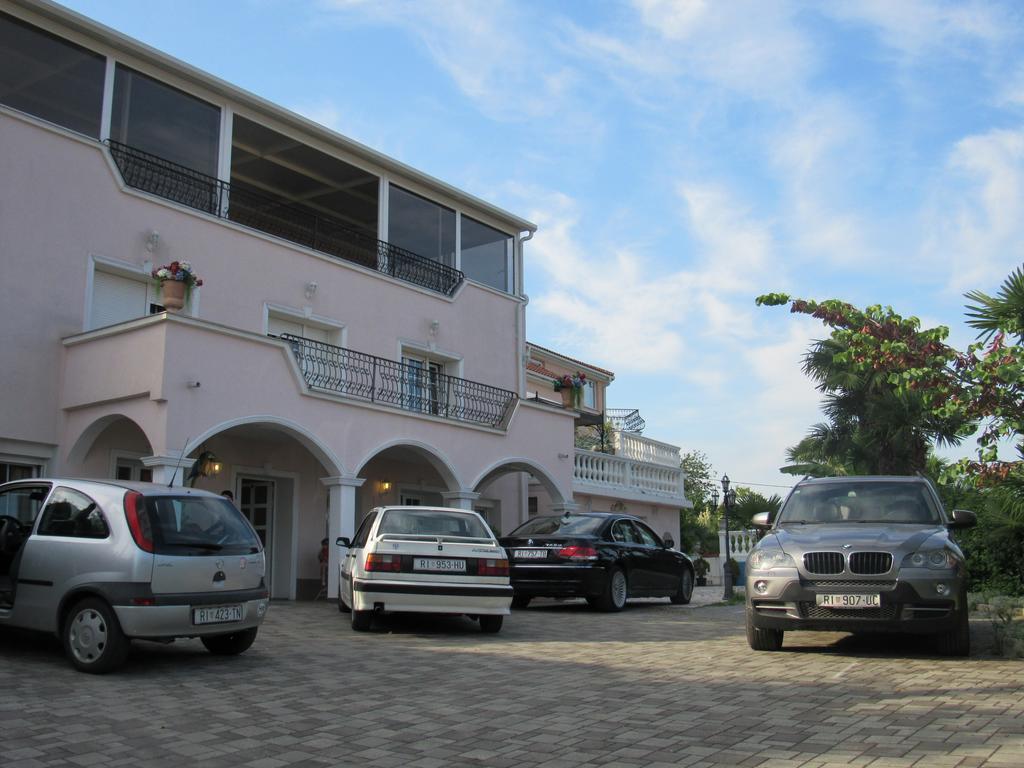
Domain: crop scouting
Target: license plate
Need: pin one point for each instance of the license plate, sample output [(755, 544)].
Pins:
[(216, 614), (439, 564), (849, 601), (531, 554)]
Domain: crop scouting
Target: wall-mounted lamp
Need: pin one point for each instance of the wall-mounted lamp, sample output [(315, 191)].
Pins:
[(435, 326), (152, 240), (385, 486), (311, 289)]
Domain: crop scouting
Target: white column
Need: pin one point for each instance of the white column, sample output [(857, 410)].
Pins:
[(341, 521), (460, 499), (168, 470)]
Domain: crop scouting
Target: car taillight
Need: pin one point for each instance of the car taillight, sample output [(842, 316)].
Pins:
[(576, 552), (376, 561), (492, 567), (138, 520)]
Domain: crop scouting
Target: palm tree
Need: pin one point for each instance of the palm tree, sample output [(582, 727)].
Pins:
[(872, 427)]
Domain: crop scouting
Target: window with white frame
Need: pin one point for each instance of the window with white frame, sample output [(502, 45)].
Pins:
[(589, 394), (424, 386), (486, 254), (157, 118), (279, 324), (50, 78), (17, 470), (118, 297)]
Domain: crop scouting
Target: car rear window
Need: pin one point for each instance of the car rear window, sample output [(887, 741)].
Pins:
[(860, 502), (198, 525), (567, 526), (432, 523)]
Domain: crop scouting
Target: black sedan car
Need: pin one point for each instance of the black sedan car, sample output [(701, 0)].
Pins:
[(606, 558)]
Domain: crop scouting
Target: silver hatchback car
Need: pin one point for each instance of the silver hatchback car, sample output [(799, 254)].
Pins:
[(100, 563), (859, 554)]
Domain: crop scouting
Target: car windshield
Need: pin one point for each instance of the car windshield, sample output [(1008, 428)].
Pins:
[(861, 502), (416, 522), (570, 525), (191, 525)]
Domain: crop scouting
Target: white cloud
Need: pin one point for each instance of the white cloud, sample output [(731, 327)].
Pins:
[(916, 27), (977, 214), (488, 49)]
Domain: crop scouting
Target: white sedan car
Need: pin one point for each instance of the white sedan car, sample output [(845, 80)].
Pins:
[(424, 560)]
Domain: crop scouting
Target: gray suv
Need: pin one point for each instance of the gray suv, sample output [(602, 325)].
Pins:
[(100, 563), (859, 554)]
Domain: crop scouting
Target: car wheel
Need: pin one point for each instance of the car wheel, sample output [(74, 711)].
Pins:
[(521, 601), (956, 642), (682, 597), (342, 606), (93, 640), (616, 590), (491, 624), (763, 639), (231, 644), (361, 620)]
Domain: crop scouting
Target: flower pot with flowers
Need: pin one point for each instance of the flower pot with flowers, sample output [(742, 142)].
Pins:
[(176, 282), (571, 388)]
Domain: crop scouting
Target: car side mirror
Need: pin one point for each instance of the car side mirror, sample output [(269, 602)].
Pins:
[(668, 541), (762, 520), (963, 518), (343, 541)]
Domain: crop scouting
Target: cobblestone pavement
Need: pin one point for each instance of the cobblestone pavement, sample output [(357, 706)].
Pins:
[(656, 685)]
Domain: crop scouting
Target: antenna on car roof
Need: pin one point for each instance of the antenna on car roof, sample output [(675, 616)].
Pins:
[(174, 474)]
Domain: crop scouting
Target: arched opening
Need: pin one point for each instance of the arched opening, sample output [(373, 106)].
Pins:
[(406, 473), (515, 489), (273, 469), (112, 447)]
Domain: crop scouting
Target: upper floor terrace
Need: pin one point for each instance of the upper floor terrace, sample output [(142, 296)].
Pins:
[(191, 139)]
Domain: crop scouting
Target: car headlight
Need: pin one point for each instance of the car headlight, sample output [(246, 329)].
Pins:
[(764, 559), (936, 559)]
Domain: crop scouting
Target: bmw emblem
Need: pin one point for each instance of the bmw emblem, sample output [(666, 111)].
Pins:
[(847, 546), (529, 542)]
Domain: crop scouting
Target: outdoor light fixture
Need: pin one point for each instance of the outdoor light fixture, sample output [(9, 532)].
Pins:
[(311, 289), (434, 327), (152, 240), (385, 486)]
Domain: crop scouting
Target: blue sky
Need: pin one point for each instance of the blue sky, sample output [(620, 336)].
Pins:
[(680, 158)]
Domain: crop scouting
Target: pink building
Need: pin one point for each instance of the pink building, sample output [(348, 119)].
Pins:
[(359, 338)]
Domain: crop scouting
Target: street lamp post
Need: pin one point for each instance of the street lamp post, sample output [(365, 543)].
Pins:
[(727, 496)]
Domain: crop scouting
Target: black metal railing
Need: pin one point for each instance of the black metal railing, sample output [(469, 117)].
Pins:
[(244, 205), (398, 385), (626, 420)]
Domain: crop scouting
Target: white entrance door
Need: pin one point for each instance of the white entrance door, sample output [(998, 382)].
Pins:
[(256, 502)]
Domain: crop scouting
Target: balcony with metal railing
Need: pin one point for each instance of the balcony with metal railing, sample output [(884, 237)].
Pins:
[(278, 217), (372, 379)]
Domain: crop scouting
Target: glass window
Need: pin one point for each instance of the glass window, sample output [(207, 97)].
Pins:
[(164, 121), (486, 255), (16, 471), (647, 536), (23, 503), (861, 502), (568, 525), (199, 525), (70, 513), (589, 394), (363, 534), (414, 522), (420, 226), (50, 78)]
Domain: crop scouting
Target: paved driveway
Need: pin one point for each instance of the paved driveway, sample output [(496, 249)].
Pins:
[(657, 685)]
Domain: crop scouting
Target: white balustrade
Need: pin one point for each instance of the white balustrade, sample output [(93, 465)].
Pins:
[(639, 448), (602, 470), (740, 542)]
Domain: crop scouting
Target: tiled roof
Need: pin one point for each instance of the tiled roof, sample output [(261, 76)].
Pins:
[(540, 369)]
